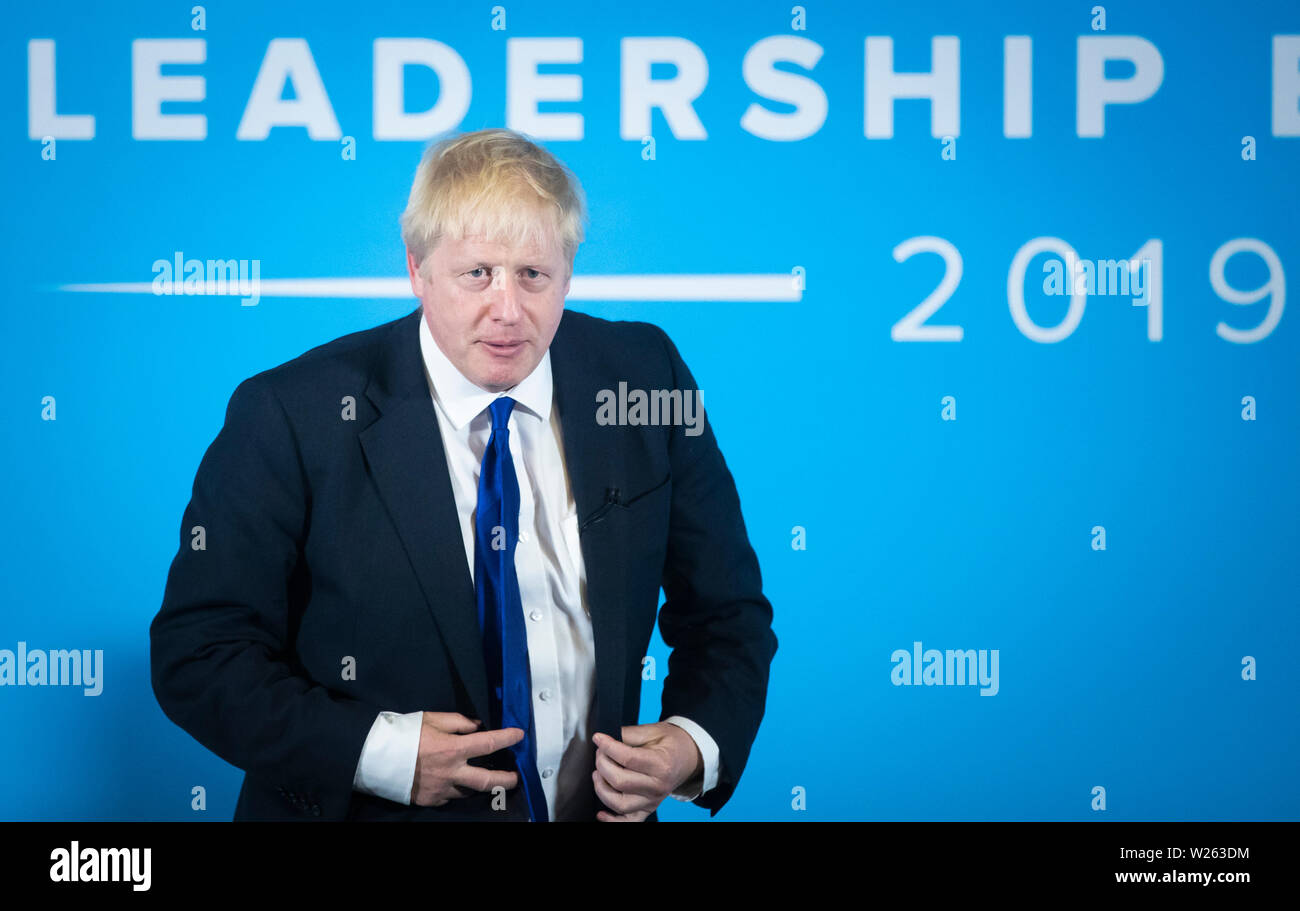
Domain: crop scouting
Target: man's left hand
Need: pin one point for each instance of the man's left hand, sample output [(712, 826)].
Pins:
[(634, 775)]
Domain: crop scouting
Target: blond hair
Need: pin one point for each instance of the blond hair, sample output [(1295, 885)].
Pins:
[(497, 184)]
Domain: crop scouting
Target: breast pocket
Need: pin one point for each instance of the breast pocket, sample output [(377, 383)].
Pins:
[(618, 505)]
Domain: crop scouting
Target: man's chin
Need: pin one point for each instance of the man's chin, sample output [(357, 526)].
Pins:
[(499, 374), (498, 379)]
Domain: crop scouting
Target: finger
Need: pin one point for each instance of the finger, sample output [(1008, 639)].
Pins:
[(456, 792), (626, 780), (606, 816), (451, 722), (640, 734), (620, 804), (477, 779), (638, 759), (618, 801), (608, 796), (486, 742)]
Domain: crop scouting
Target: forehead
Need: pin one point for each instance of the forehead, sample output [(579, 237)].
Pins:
[(479, 248)]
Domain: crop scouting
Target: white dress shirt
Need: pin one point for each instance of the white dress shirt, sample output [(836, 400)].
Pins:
[(552, 586)]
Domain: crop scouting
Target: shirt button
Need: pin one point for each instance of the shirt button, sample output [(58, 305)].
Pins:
[(544, 695), (547, 772), (535, 615)]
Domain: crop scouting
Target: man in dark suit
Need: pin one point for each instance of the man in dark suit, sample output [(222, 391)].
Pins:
[(323, 625)]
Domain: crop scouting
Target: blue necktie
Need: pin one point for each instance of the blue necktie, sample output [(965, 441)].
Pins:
[(500, 607)]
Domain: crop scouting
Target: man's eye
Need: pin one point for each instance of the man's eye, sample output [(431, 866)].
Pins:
[(535, 274)]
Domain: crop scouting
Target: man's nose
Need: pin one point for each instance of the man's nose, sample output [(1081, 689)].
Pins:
[(505, 297)]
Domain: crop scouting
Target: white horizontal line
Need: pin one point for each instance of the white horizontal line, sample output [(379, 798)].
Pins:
[(771, 287), (762, 287)]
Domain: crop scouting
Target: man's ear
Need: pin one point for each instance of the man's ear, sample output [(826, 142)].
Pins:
[(413, 270)]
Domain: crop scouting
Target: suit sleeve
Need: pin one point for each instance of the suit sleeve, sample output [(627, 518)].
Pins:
[(715, 618), (221, 659)]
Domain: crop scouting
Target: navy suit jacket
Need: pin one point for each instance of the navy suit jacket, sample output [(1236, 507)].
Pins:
[(312, 540)]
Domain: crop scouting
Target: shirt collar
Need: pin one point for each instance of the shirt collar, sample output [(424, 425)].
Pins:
[(462, 400)]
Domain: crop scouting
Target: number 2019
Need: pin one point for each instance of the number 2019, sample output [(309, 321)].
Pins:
[(913, 328)]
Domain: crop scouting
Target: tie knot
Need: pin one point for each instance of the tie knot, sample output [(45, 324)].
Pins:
[(500, 410)]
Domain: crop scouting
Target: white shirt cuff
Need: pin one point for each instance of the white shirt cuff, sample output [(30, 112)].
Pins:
[(708, 751), (387, 764)]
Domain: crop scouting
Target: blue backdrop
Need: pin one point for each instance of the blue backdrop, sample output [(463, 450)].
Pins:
[(1109, 507)]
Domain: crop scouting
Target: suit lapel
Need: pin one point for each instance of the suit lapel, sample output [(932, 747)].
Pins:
[(405, 453), (594, 463)]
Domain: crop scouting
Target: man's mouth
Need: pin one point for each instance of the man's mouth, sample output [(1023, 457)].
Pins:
[(505, 348)]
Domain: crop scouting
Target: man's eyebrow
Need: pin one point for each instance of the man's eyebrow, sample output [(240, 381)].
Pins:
[(484, 264)]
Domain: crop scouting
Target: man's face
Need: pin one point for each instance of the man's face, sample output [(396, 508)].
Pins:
[(493, 309)]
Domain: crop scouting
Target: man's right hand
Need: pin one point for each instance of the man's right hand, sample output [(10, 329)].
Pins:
[(447, 740)]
